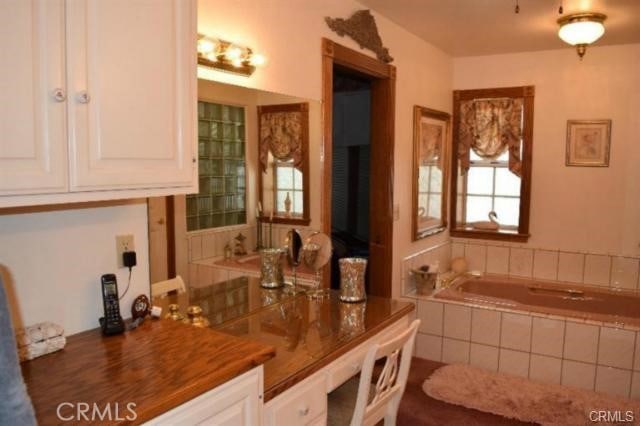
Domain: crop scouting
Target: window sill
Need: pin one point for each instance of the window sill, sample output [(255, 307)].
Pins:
[(512, 236), (286, 220)]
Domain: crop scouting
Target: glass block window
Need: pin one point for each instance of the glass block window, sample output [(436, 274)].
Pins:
[(221, 168), (288, 180)]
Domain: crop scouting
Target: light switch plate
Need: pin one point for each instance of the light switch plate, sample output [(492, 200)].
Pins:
[(124, 243)]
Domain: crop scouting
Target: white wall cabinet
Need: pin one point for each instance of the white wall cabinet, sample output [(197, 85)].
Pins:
[(235, 403), (100, 100)]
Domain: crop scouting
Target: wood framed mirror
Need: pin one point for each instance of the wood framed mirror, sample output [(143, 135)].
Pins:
[(431, 135)]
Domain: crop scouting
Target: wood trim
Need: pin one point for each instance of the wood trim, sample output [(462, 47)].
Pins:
[(528, 93), (303, 107), (383, 79), (418, 113)]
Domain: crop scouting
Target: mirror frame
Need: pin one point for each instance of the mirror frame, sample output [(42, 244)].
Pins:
[(303, 108), (420, 112)]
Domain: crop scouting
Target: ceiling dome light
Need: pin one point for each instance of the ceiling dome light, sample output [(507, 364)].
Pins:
[(581, 29)]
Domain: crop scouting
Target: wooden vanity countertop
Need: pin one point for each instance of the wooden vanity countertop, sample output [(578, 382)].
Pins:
[(157, 366)]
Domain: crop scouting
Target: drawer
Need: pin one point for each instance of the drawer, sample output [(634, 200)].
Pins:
[(350, 363), (303, 404)]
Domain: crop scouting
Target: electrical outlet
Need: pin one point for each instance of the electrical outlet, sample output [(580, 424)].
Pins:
[(123, 243)]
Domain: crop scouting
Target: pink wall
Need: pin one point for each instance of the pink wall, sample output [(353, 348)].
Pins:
[(576, 208)]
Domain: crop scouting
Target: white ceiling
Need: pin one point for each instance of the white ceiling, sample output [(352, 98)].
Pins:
[(484, 27)]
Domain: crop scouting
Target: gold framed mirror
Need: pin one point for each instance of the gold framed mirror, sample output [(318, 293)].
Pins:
[(431, 134)]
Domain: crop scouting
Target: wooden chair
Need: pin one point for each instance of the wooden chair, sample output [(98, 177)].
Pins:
[(381, 401)]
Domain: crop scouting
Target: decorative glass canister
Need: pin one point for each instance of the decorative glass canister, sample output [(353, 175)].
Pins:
[(271, 268), (352, 270), (352, 318)]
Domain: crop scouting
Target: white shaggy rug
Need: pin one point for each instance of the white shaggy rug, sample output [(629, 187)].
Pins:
[(525, 400)]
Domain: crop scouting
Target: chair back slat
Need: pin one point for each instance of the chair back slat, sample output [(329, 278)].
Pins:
[(389, 388)]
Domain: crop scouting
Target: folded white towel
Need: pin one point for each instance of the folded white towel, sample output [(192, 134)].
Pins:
[(38, 333), (34, 350)]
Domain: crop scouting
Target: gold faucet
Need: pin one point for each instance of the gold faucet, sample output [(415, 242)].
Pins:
[(446, 282)]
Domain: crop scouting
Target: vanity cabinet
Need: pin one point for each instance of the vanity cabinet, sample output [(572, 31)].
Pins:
[(235, 403), (99, 100)]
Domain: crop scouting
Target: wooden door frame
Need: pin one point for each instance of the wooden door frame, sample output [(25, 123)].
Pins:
[(383, 82)]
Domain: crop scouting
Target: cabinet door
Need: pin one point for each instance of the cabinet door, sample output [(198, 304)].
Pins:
[(132, 101), (32, 122)]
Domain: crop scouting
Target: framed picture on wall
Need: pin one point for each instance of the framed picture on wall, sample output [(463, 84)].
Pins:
[(588, 143)]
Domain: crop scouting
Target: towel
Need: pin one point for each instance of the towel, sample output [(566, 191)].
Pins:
[(43, 347), (15, 404), (38, 333)]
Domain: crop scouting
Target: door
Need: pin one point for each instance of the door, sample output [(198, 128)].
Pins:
[(132, 81), (32, 112)]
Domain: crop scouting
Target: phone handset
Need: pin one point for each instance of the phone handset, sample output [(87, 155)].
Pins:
[(112, 322)]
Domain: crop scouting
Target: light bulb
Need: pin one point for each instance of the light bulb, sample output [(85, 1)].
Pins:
[(237, 62), (257, 60), (232, 53), (206, 46)]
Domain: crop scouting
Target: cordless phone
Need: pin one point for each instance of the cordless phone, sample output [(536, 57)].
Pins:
[(112, 322)]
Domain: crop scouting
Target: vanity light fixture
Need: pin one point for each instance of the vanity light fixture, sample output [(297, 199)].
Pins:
[(581, 29), (226, 56)]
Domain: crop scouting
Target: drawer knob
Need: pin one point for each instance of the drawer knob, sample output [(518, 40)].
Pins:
[(304, 411), (59, 95), (83, 97)]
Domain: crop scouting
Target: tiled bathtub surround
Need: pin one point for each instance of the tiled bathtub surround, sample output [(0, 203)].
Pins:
[(546, 348), (602, 270), (441, 253)]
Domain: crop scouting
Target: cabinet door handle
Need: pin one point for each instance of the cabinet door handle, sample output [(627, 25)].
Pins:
[(83, 97), (59, 95), (304, 411)]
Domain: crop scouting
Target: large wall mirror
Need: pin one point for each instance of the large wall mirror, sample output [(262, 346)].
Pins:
[(430, 171)]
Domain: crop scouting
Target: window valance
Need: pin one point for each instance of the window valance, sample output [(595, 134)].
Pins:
[(282, 132)]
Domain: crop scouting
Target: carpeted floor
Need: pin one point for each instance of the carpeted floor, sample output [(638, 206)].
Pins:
[(416, 408)]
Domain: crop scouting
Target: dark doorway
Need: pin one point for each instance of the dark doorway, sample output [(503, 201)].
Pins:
[(354, 70), (350, 168)]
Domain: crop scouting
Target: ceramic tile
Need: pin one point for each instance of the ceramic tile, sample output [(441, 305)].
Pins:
[(429, 347), (613, 381), (483, 356), (581, 342), (497, 260), (195, 243), (545, 265), (516, 332), (578, 374), (476, 256), (521, 262), (514, 362), (457, 250), (545, 369), (457, 321), (597, 270), (208, 245), (547, 337), (430, 315), (193, 274), (570, 267), (219, 275), (635, 386), (455, 351), (624, 272), (616, 347), (485, 326)]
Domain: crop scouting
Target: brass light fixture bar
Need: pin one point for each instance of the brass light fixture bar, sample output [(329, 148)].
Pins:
[(226, 56)]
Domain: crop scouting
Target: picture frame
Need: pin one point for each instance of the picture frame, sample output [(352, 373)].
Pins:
[(431, 147), (588, 143)]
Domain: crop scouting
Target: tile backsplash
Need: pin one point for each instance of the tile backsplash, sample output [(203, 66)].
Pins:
[(597, 269)]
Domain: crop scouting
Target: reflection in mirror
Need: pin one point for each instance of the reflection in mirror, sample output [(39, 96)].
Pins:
[(200, 236), (430, 150)]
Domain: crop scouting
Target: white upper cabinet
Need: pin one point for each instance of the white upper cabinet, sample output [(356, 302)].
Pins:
[(33, 146), (124, 124)]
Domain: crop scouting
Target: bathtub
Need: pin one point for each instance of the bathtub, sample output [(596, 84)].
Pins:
[(568, 300)]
